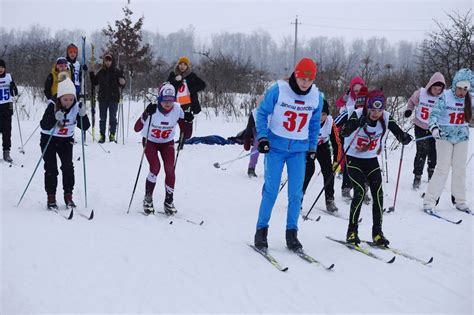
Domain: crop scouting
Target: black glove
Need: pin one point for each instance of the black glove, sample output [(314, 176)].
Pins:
[(263, 145), (407, 113), (84, 67), (362, 121), (405, 138), (311, 155), (150, 109), (188, 116)]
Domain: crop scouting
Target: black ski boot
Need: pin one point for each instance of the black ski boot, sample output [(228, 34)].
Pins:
[(51, 203), (292, 240), (7, 157), (416, 182), (352, 235), (148, 204), (68, 201), (260, 239), (168, 205), (251, 172), (331, 205), (430, 173), (378, 237)]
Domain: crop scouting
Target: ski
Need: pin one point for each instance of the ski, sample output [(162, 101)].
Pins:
[(181, 218), (311, 219), (434, 214), (300, 253), (337, 215), (400, 253), (88, 216), (466, 211), (152, 213), (270, 258), (361, 250), (65, 216)]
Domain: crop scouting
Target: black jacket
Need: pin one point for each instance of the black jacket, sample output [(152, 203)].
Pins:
[(195, 84), (49, 120), (108, 81)]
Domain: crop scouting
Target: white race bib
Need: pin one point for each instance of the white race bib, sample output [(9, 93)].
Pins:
[(425, 106), (5, 96), (66, 127), (162, 128), (325, 131), (454, 111)]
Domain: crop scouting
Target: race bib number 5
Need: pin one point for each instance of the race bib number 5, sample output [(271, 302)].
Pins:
[(295, 119), (157, 133)]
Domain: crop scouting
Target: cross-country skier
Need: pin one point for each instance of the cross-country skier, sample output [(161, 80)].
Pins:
[(76, 69), (364, 132), (60, 118), (422, 102), (448, 124), (157, 125), (288, 138), (8, 90)]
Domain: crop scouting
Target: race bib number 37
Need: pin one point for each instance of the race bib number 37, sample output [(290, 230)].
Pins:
[(294, 120)]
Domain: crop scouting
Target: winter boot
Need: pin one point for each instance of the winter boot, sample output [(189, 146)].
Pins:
[(346, 194), (51, 203), (416, 182), (260, 240), (331, 205), (430, 173), (251, 172), (462, 207), (352, 236), (68, 201), (101, 138), (292, 240), (378, 237), (168, 205), (112, 137), (148, 204), (7, 157)]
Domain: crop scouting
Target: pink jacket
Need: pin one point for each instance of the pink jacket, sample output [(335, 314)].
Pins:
[(414, 100)]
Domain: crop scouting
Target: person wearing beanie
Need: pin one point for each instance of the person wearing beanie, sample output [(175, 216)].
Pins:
[(8, 90), (289, 137), (75, 66), (364, 134), (422, 102), (328, 133), (59, 71), (110, 81), (448, 123), (250, 141), (187, 85), (157, 125), (60, 118)]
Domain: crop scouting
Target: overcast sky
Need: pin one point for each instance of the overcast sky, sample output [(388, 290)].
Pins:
[(395, 20)]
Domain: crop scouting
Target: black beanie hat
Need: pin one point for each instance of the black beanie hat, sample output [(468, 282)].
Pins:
[(325, 107), (2, 63)]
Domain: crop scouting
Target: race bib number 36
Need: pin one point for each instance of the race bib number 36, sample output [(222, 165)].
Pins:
[(157, 133)]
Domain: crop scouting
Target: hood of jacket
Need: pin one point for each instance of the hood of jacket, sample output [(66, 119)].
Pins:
[(436, 77), (462, 75), (354, 81)]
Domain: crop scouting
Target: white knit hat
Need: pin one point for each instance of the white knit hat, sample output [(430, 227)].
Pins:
[(66, 87)]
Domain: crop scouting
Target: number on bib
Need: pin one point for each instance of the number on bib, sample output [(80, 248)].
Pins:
[(4, 94), (362, 143), (62, 131), (290, 124), (424, 113), (157, 133), (456, 118)]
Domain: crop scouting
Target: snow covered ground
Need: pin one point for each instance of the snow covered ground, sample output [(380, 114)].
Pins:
[(119, 263)]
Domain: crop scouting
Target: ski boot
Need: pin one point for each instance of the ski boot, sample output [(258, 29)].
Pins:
[(101, 138), (148, 204), (430, 173), (331, 205), (7, 157), (428, 209), (251, 172), (260, 239), (51, 203), (346, 195), (462, 207), (416, 182), (112, 137), (378, 237), (292, 241), (168, 205), (68, 201), (352, 236)]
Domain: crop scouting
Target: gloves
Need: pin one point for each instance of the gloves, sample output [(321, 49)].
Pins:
[(311, 155), (121, 81), (188, 116), (84, 67), (178, 77), (263, 145), (150, 109), (405, 138), (437, 134), (407, 113), (247, 145), (336, 167), (362, 121), (59, 115), (82, 110)]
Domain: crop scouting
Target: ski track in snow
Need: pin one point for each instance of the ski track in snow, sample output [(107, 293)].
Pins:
[(132, 263)]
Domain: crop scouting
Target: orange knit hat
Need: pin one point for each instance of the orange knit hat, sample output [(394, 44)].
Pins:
[(306, 68), (185, 60)]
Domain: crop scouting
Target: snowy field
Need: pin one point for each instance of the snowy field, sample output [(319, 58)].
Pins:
[(119, 263)]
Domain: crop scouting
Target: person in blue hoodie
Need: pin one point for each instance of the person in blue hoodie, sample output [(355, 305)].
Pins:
[(448, 124), (288, 137)]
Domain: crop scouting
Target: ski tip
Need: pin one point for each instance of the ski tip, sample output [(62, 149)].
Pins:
[(391, 260), (429, 261), (91, 216), (458, 222), (70, 214), (331, 267), (201, 223), (317, 219), (171, 222), (284, 269), (216, 165)]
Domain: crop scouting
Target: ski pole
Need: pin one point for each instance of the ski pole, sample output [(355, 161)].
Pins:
[(470, 158), (181, 137), (386, 160), (424, 138), (129, 97), (123, 124), (100, 144), (140, 166), (224, 169), (37, 164), (218, 165), (391, 209), (22, 150), (83, 136), (332, 175), (31, 135)]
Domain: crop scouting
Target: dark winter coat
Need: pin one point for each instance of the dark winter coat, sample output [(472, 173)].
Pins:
[(195, 84), (49, 120), (108, 81)]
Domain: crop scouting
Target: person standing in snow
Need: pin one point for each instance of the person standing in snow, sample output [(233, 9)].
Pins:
[(328, 131), (59, 71), (289, 137), (423, 101), (187, 84), (57, 138), (448, 123), (157, 125), (110, 81), (75, 66), (8, 90), (364, 133)]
